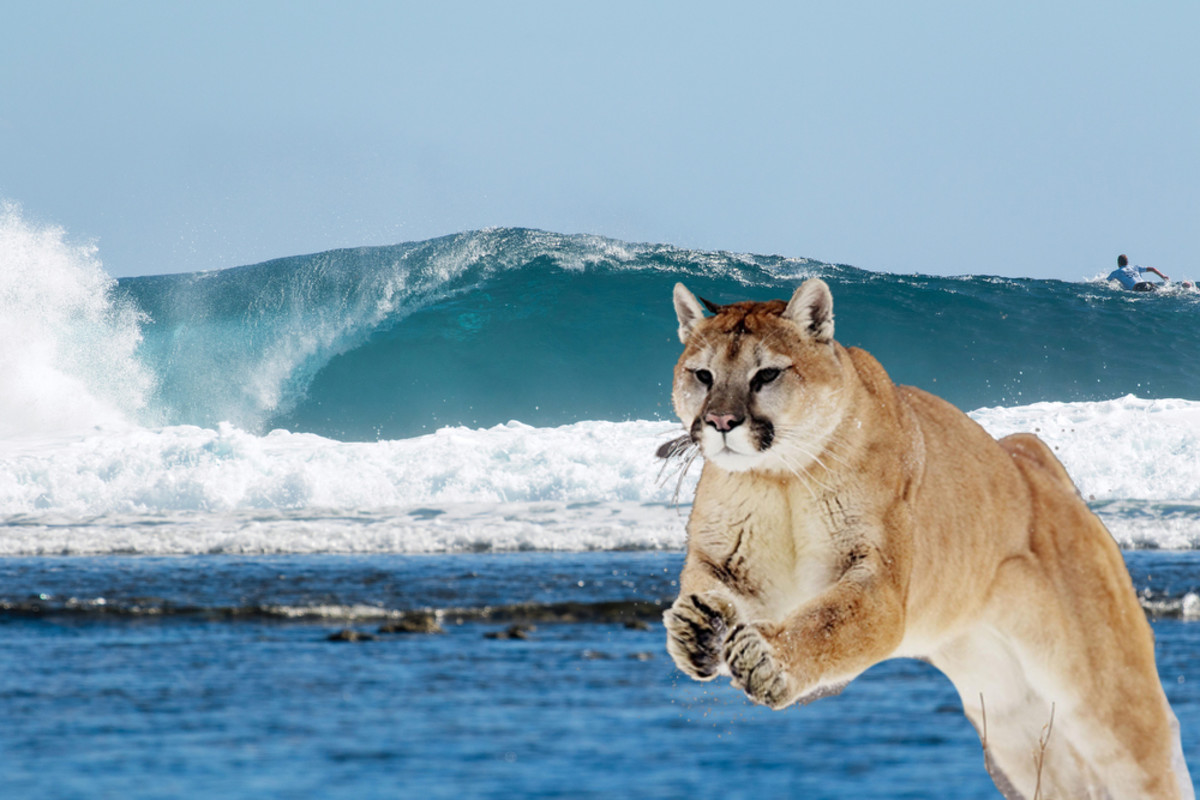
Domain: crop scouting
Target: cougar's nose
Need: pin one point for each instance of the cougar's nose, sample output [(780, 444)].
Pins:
[(722, 422)]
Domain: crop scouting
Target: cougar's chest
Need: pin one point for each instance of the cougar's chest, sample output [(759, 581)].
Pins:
[(771, 547)]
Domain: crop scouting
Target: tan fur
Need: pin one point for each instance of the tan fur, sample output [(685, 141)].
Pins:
[(844, 520)]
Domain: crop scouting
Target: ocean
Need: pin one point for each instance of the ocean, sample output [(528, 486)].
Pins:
[(222, 493)]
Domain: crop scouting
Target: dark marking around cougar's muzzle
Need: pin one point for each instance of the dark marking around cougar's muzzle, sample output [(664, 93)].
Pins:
[(765, 431)]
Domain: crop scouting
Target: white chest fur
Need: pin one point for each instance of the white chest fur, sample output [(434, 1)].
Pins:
[(770, 541)]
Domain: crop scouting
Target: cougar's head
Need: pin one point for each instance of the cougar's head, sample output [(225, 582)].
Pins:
[(758, 385)]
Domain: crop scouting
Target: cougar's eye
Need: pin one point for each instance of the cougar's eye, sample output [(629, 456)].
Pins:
[(763, 377), (704, 376)]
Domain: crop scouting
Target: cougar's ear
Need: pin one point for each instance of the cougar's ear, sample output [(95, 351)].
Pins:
[(811, 308), (688, 310)]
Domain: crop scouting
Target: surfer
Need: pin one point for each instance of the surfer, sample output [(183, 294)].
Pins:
[(1130, 276)]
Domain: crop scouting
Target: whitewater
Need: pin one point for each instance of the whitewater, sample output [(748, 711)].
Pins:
[(503, 390)]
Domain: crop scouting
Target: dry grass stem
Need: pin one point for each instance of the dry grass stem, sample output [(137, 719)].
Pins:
[(1039, 756)]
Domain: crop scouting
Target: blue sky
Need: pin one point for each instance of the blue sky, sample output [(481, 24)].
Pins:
[(1037, 139)]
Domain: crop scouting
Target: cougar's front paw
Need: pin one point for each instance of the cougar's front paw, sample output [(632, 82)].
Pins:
[(756, 668), (696, 628)]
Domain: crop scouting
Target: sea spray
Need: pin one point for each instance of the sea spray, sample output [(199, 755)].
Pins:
[(68, 343)]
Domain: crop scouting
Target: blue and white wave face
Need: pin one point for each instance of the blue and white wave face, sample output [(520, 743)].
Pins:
[(363, 400), (480, 328)]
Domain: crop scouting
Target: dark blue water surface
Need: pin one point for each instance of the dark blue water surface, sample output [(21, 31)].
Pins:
[(137, 677)]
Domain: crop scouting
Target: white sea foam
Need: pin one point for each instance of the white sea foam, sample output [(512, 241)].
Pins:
[(591, 485), (188, 469), (1128, 448)]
